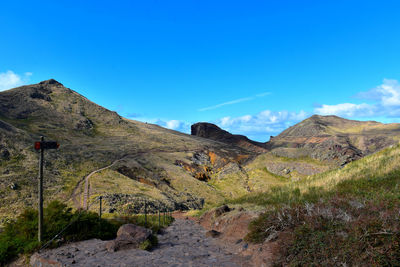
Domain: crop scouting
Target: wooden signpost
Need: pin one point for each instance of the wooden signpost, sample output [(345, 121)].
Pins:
[(42, 145)]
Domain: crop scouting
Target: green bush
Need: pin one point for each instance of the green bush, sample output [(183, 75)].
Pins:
[(149, 243), (20, 236)]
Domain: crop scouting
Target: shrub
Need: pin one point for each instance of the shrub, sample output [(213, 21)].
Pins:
[(149, 243), (20, 236), (358, 223)]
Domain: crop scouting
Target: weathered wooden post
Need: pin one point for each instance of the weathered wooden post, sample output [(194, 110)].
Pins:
[(100, 198), (145, 213), (42, 145), (40, 226), (159, 218), (164, 217)]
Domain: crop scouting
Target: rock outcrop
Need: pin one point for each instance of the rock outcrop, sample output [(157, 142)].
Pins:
[(212, 131)]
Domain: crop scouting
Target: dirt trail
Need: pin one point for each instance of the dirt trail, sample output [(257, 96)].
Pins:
[(76, 195), (86, 193), (183, 244)]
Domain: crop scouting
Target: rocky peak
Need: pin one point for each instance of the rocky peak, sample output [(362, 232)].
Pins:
[(208, 130), (213, 132), (51, 82)]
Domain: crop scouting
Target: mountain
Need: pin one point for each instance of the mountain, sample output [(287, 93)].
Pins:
[(329, 139), (128, 161), (334, 139), (213, 132)]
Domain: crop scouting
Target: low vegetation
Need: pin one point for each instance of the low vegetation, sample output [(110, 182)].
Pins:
[(20, 236), (349, 216)]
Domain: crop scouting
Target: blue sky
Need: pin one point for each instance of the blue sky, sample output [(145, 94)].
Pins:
[(252, 67)]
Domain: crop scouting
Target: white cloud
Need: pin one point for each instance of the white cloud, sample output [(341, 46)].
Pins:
[(9, 79), (176, 125), (257, 127), (173, 124), (385, 100), (346, 110), (387, 94), (260, 126)]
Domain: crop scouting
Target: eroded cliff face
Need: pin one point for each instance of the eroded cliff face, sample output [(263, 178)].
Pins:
[(213, 132)]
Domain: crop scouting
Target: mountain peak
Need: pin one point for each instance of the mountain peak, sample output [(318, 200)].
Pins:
[(51, 82)]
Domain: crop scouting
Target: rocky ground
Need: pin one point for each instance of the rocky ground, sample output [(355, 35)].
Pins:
[(184, 243)]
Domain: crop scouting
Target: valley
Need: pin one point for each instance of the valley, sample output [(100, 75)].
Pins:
[(135, 166)]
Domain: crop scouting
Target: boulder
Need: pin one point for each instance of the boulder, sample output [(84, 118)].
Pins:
[(128, 236), (38, 261), (213, 234), (221, 210)]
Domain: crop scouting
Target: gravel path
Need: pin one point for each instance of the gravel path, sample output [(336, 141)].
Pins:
[(183, 244)]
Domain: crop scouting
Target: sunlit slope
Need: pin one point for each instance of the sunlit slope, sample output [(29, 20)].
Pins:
[(92, 138), (334, 139)]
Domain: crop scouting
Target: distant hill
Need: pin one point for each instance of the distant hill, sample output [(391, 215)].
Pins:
[(331, 138), (325, 138)]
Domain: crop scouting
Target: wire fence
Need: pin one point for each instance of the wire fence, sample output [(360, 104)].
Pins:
[(160, 218)]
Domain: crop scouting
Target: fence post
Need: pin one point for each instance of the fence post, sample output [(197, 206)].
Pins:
[(145, 213), (40, 226), (101, 197), (159, 219)]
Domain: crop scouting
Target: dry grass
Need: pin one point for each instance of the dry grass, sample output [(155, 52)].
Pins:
[(347, 216), (378, 164)]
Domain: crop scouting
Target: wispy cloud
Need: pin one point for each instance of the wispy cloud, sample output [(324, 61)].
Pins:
[(227, 103), (383, 102), (236, 101), (9, 79)]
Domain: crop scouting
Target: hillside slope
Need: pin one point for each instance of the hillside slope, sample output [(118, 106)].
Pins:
[(164, 167), (331, 138), (130, 162), (346, 216)]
